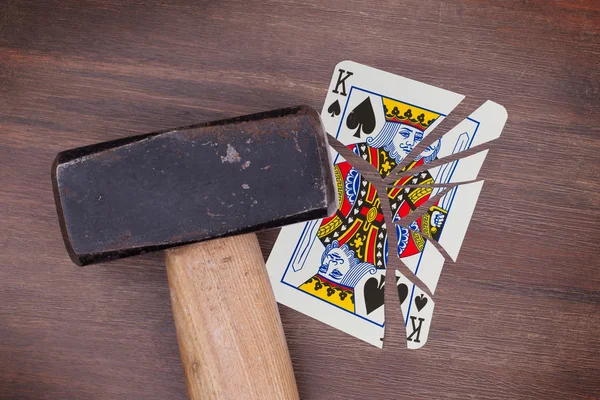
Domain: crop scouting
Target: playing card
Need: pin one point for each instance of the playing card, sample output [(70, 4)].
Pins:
[(417, 309), (381, 116), (333, 269)]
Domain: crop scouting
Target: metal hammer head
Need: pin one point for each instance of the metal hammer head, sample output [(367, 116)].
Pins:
[(170, 188)]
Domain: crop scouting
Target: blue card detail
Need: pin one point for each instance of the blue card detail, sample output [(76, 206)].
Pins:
[(352, 185), (403, 235), (307, 239), (412, 293)]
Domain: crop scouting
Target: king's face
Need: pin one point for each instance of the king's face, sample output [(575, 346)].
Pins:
[(406, 139), (335, 265)]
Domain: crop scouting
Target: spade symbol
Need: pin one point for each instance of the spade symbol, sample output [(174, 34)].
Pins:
[(362, 117), (334, 108), (420, 301), (374, 294), (402, 292)]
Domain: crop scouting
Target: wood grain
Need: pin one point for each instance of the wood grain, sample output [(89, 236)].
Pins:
[(230, 336), (516, 316)]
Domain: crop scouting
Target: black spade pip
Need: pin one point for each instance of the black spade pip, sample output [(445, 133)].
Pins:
[(362, 118), (334, 108)]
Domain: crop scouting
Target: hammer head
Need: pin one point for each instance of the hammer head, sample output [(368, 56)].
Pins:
[(170, 188)]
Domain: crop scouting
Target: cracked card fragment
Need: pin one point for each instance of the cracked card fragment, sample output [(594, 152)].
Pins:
[(417, 310)]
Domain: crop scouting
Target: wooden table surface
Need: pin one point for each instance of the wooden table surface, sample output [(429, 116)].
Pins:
[(517, 316)]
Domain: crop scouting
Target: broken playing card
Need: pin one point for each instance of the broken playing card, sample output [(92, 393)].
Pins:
[(334, 269)]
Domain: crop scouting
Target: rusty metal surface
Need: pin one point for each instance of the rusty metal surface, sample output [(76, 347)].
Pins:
[(165, 189)]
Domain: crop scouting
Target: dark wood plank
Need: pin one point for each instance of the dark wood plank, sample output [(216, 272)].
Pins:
[(516, 317)]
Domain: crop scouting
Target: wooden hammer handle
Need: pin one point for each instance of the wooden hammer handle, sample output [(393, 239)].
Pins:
[(230, 336)]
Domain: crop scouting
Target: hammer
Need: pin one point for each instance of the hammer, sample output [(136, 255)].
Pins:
[(177, 189)]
